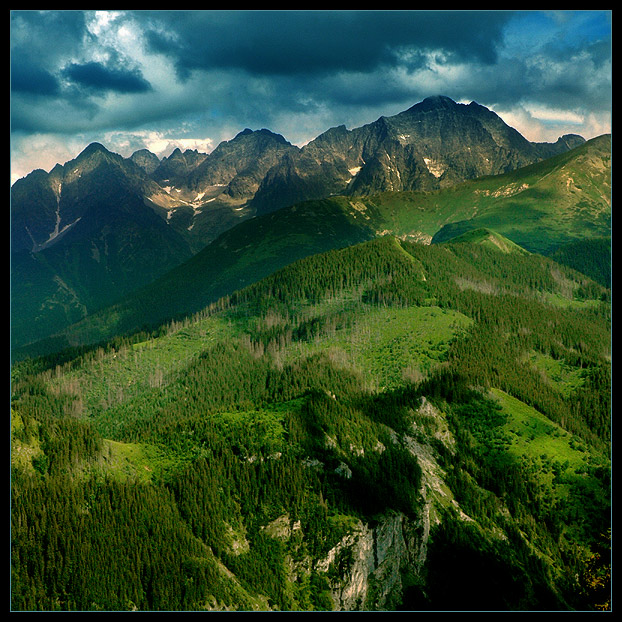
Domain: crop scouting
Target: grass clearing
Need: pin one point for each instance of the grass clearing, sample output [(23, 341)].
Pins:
[(23, 449), (565, 378), (114, 377), (133, 461), (389, 345), (534, 435), (260, 430)]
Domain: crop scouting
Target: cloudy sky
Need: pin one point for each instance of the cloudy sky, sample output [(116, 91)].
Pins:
[(162, 79)]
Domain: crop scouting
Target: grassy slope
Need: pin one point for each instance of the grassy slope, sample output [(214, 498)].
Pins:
[(543, 206), (539, 207)]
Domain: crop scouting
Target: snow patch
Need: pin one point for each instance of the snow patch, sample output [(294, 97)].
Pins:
[(434, 166), (58, 232)]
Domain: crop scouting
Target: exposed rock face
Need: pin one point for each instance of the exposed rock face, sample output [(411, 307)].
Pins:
[(366, 564), (81, 237), (366, 567), (239, 165), (148, 161), (433, 144), (101, 226)]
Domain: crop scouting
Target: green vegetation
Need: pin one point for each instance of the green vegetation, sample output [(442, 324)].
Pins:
[(591, 257), (561, 205), (236, 459), (564, 199)]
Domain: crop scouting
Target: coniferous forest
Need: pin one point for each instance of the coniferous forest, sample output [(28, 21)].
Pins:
[(386, 426)]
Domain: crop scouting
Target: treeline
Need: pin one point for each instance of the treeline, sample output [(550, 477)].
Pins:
[(324, 276), (512, 319), (508, 295)]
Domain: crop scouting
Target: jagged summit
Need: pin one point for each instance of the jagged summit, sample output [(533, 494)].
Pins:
[(94, 155), (442, 103), (94, 147), (262, 132)]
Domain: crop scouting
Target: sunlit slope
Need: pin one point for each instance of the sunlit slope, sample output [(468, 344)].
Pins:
[(561, 199), (543, 206)]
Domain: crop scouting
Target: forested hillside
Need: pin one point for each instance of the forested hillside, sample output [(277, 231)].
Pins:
[(386, 426), (561, 205)]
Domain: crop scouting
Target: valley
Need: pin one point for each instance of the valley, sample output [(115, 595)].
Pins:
[(275, 378), (127, 222)]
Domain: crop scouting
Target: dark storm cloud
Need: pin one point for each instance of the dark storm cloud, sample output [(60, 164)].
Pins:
[(32, 79), (66, 29), (33, 57), (98, 77), (76, 75), (316, 42), (41, 38), (41, 43)]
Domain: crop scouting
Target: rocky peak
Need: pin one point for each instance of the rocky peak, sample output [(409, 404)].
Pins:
[(333, 133), (435, 102), (92, 149), (147, 160), (174, 169), (250, 154), (570, 141), (244, 132), (175, 154), (257, 135)]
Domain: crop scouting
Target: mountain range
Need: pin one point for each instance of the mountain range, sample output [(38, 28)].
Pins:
[(369, 374), (102, 227)]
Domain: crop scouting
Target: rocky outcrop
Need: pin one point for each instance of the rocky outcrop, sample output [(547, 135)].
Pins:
[(365, 567)]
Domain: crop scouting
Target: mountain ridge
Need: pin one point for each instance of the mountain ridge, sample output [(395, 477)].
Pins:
[(49, 210), (337, 171), (393, 153), (257, 247)]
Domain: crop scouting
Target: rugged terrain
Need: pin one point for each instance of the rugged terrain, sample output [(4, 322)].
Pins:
[(369, 374), (84, 235), (387, 426)]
